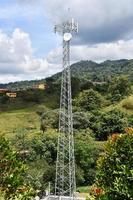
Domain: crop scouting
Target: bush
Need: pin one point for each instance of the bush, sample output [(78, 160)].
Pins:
[(81, 120), (119, 87), (130, 119), (105, 124), (39, 153), (115, 168), (4, 99), (12, 172), (86, 154), (48, 118), (90, 100), (128, 103)]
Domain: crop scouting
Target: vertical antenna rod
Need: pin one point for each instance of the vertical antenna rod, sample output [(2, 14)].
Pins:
[(65, 184)]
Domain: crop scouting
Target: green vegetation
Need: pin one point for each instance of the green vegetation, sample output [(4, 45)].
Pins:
[(13, 122), (105, 124), (89, 100), (115, 172), (119, 88), (103, 106), (12, 174), (86, 155), (85, 70), (128, 103)]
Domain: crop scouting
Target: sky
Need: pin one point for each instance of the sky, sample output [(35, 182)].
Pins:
[(29, 48)]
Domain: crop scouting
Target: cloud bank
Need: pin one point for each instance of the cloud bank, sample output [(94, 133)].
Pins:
[(105, 32), (99, 20), (17, 61)]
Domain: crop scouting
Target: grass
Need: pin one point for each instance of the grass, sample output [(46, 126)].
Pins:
[(1, 198), (14, 120), (84, 189), (120, 106), (128, 103), (11, 122), (18, 114)]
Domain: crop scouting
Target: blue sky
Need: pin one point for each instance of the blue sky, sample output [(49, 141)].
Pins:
[(29, 49), (36, 23)]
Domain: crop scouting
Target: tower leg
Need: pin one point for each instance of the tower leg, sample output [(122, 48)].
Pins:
[(65, 166)]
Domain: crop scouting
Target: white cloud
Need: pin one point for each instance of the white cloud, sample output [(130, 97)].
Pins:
[(98, 52), (105, 32), (104, 51), (17, 59), (99, 20)]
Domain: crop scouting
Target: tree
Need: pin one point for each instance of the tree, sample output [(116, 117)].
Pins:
[(90, 100), (81, 120), (75, 86), (86, 154), (43, 126), (4, 99), (48, 118), (115, 168), (119, 87), (40, 173), (86, 85), (12, 172), (44, 122), (105, 124), (45, 146), (39, 153)]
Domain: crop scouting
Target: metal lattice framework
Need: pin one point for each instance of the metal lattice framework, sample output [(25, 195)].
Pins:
[(65, 184)]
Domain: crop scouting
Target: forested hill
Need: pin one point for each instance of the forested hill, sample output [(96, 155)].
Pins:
[(101, 72), (87, 70)]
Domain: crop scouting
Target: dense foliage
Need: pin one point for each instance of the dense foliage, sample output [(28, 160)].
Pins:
[(39, 153), (115, 168), (12, 173), (89, 100), (86, 153), (102, 106), (118, 88), (86, 70), (105, 124)]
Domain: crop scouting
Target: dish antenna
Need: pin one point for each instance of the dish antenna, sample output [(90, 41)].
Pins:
[(67, 36)]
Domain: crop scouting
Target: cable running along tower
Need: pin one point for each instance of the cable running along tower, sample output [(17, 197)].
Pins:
[(65, 184)]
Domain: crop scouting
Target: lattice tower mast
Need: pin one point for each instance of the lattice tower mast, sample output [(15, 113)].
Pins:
[(65, 184)]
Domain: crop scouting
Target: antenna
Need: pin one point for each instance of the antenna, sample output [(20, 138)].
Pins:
[(65, 183), (67, 26)]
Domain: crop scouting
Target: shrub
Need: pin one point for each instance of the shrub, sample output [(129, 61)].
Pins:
[(128, 103), (114, 170), (81, 120), (86, 154), (105, 124), (118, 88), (90, 100), (12, 172), (4, 99)]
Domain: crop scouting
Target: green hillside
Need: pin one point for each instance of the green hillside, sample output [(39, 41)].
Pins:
[(101, 72), (13, 122), (102, 108), (86, 70)]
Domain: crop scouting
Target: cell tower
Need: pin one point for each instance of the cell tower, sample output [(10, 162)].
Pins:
[(65, 184)]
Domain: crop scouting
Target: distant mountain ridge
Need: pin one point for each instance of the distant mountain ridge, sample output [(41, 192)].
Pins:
[(86, 70), (100, 71)]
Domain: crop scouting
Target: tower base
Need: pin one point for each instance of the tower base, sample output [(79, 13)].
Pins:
[(54, 197)]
